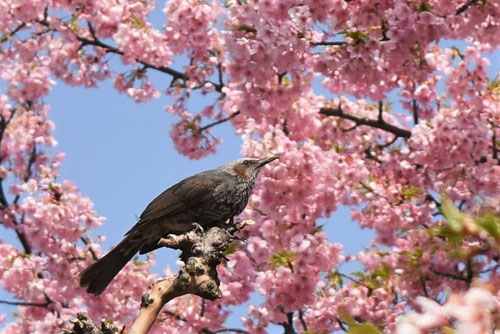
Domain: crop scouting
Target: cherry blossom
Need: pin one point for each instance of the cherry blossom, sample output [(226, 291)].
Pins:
[(391, 108)]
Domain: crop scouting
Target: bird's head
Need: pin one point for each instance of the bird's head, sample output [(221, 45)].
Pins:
[(247, 169)]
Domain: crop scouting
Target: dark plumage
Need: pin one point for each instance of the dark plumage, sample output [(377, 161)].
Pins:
[(208, 198)]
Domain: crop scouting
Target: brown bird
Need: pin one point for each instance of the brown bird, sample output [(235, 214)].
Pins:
[(208, 198)]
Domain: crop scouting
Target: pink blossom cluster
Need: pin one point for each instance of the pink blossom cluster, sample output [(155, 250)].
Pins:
[(191, 29), (473, 312), (188, 139), (389, 107)]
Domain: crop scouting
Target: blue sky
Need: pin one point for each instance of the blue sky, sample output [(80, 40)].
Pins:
[(120, 155)]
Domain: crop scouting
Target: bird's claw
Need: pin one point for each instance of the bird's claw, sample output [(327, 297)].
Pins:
[(197, 228), (242, 239)]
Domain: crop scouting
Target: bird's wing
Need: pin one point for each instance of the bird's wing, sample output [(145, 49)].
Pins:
[(186, 195)]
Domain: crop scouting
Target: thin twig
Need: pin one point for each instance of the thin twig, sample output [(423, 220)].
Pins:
[(47, 303), (450, 275), (380, 111), (389, 143), (379, 124), (87, 242), (415, 111), (29, 170), (341, 325), (329, 43), (111, 49), (465, 6), (9, 35), (202, 308), (174, 315), (354, 280), (208, 126), (302, 321), (223, 330), (424, 286), (494, 143)]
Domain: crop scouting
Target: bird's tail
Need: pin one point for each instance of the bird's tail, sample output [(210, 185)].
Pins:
[(98, 276)]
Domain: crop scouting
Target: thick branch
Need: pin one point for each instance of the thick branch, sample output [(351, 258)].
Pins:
[(288, 325), (374, 123), (202, 252), (24, 242), (84, 325)]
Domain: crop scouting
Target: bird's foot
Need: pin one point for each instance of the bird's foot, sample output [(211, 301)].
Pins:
[(197, 228), (235, 227), (242, 239), (244, 223)]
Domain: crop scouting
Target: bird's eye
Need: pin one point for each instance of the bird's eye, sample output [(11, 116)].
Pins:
[(246, 162)]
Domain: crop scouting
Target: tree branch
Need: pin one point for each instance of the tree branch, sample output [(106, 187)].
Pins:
[(111, 49), (465, 6), (302, 321), (467, 279), (378, 123), (202, 252), (494, 142), (223, 330), (208, 126), (330, 43), (415, 111), (86, 240), (9, 35), (45, 304), (288, 325), (84, 325)]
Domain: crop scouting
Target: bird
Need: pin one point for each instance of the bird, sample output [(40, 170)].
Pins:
[(205, 199)]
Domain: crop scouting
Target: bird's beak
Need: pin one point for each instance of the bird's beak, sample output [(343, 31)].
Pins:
[(267, 160)]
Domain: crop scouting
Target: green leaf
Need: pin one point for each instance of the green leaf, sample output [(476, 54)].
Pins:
[(385, 272), (283, 258), (335, 278), (231, 249), (318, 229), (365, 328), (338, 149), (453, 215), (424, 7), (357, 36), (137, 23), (445, 231), (490, 223), (73, 24), (137, 262), (360, 274), (245, 28), (448, 330), (410, 192)]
